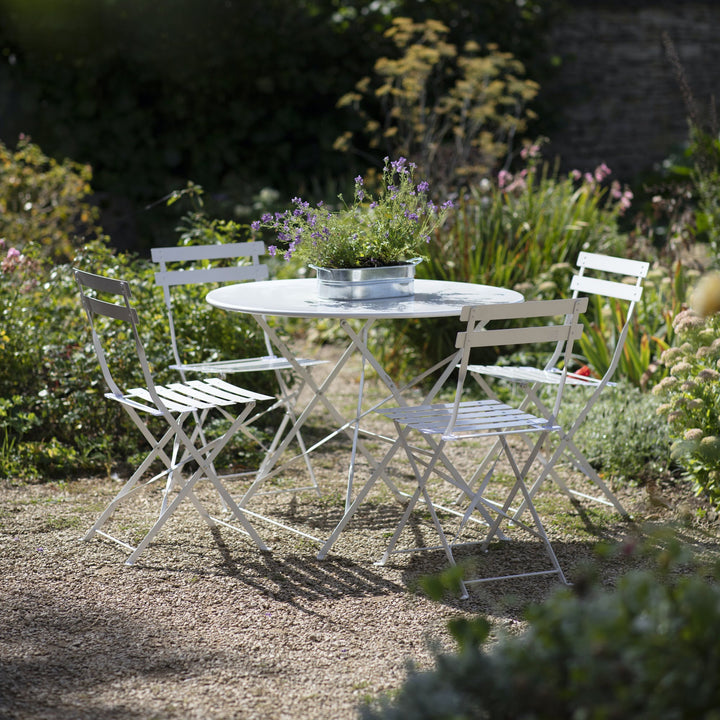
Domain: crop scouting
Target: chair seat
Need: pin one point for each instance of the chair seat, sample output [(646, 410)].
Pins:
[(188, 397), (523, 374), (256, 364), (481, 418)]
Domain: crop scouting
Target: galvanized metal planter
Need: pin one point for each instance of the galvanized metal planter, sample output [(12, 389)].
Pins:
[(370, 283)]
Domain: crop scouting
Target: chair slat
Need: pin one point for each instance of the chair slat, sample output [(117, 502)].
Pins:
[(103, 284), (517, 311), (236, 273), (112, 310), (216, 251), (613, 264), (608, 288), (519, 336)]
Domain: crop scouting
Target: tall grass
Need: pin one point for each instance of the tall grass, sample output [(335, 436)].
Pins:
[(509, 232)]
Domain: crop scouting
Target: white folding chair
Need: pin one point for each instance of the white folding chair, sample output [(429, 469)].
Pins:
[(107, 305), (220, 264), (605, 282), (488, 418)]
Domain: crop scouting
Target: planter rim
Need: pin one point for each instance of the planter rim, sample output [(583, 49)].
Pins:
[(369, 283)]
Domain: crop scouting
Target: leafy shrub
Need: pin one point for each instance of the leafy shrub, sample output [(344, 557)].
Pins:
[(622, 437), (44, 202), (648, 649), (452, 113), (53, 417), (692, 393)]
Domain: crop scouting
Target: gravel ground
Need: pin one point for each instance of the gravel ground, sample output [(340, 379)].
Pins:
[(206, 626)]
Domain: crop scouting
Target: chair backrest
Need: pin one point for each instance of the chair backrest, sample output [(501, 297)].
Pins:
[(636, 270), (110, 298), (193, 265), (592, 285), (543, 328)]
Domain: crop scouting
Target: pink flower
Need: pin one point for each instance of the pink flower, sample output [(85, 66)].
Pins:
[(530, 151), (504, 177), (601, 172), (13, 258)]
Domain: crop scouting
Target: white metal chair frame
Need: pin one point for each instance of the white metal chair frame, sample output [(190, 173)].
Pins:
[(175, 402), (246, 267), (446, 422), (532, 379)]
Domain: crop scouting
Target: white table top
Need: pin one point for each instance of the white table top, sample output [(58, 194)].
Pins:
[(299, 298)]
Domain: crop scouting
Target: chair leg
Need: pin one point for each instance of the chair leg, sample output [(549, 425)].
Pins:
[(288, 400), (539, 530), (422, 490), (184, 450), (131, 486)]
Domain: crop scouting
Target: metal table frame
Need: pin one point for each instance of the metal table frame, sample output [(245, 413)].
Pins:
[(298, 298)]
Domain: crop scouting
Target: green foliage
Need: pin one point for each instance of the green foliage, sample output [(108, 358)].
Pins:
[(622, 437), (44, 202), (512, 232), (648, 649), (392, 228), (54, 420), (453, 114), (692, 395), (236, 94), (705, 148)]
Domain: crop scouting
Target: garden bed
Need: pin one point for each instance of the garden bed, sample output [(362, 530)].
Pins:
[(205, 626)]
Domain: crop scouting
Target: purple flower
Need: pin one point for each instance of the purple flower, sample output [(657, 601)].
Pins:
[(399, 165), (424, 186)]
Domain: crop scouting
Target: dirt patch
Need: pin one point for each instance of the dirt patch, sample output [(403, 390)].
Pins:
[(206, 626)]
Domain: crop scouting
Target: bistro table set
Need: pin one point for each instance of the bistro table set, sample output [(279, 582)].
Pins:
[(418, 435)]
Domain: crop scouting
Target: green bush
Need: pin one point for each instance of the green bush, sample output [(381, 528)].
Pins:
[(622, 437), (453, 114), (235, 94), (54, 420), (649, 649), (43, 202)]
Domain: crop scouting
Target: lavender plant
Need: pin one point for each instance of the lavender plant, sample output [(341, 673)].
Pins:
[(394, 227)]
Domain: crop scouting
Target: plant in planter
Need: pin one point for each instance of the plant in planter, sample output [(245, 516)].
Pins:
[(390, 229)]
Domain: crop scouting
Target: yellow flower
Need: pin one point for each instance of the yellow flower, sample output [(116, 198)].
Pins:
[(705, 299)]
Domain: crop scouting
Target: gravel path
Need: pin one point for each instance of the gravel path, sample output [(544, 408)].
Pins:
[(205, 626)]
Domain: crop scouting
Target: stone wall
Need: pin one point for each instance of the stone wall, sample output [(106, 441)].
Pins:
[(617, 95)]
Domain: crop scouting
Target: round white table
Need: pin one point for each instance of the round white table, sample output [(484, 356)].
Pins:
[(299, 298)]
